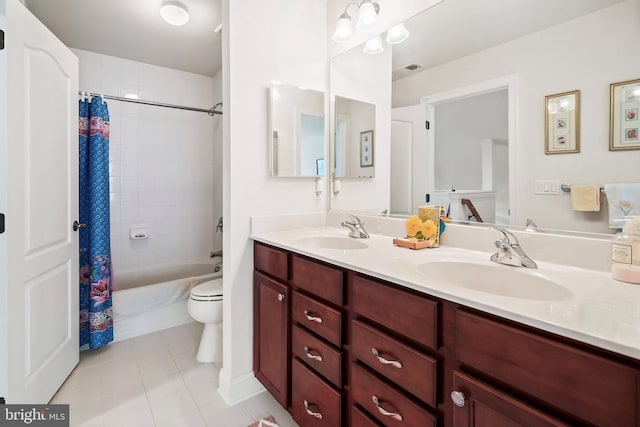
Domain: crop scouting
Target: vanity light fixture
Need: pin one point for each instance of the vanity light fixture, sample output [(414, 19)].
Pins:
[(174, 12), (373, 46), (397, 34), (367, 15), (368, 11)]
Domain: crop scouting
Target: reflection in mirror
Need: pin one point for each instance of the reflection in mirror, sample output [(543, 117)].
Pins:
[(354, 138), (296, 131), (547, 47)]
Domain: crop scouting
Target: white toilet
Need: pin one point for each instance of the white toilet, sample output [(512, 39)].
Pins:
[(205, 306)]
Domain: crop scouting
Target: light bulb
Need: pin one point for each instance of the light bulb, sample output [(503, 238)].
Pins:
[(174, 12), (367, 16), (397, 34), (373, 46), (343, 29)]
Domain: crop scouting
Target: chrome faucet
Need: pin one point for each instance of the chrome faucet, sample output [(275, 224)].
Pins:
[(216, 254), (510, 252), (355, 226)]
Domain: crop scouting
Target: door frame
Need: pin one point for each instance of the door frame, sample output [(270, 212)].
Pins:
[(509, 82)]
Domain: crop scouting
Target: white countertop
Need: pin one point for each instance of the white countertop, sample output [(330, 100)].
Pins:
[(599, 310)]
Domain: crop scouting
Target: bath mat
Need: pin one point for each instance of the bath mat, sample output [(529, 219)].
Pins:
[(265, 422)]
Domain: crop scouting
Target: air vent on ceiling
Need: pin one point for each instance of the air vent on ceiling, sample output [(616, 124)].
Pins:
[(406, 71)]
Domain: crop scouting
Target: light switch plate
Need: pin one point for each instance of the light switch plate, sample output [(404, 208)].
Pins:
[(547, 186)]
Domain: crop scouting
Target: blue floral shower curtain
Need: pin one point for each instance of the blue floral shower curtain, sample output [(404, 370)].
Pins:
[(96, 317)]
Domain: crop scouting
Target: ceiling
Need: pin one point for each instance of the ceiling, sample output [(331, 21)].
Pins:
[(456, 28), (133, 29)]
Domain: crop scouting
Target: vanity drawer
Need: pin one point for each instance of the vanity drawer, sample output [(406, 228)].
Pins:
[(319, 355), (366, 387), (416, 373), (317, 317), (589, 386), (314, 403), (319, 279), (411, 315), (271, 261), (361, 419)]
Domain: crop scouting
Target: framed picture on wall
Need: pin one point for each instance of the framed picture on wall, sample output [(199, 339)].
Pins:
[(624, 106), (366, 148), (562, 123)]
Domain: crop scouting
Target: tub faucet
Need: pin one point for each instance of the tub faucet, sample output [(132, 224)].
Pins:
[(510, 252), (355, 226), (216, 254)]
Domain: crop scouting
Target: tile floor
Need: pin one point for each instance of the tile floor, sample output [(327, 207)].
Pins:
[(155, 381)]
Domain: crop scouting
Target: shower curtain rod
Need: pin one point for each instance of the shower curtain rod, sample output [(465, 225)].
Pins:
[(210, 111)]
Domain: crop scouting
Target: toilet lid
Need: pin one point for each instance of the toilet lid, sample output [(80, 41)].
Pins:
[(208, 290)]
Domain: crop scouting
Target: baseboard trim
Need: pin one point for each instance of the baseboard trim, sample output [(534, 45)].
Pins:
[(240, 388)]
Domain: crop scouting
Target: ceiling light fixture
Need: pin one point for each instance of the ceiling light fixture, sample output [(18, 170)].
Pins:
[(174, 12), (397, 34), (368, 11)]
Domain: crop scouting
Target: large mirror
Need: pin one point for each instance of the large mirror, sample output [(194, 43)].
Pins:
[(354, 138), (471, 62), (296, 130)]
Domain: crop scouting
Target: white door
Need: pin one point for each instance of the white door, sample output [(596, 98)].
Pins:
[(42, 136)]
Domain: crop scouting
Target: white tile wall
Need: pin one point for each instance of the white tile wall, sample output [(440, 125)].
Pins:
[(160, 161)]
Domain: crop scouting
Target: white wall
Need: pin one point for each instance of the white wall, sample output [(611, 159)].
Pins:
[(262, 41), (459, 128), (159, 160), (3, 209), (551, 62)]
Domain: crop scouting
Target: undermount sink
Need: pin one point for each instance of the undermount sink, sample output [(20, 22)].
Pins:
[(496, 279), (332, 242)]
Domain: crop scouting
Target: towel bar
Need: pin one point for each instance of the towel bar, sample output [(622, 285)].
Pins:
[(567, 188)]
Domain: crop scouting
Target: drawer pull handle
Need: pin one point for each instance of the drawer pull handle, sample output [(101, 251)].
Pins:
[(307, 406), (310, 317), (394, 415), (280, 297), (458, 398), (307, 351), (384, 361)]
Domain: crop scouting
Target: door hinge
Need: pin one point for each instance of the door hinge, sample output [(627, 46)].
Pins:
[(426, 124), (1, 223), (1, 39)]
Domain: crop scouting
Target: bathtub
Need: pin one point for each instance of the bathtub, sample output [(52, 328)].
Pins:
[(150, 300)]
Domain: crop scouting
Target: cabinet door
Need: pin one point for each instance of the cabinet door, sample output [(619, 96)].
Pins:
[(477, 404), (271, 336)]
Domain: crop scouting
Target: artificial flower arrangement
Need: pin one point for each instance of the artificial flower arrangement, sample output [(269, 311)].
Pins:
[(418, 229), (423, 230)]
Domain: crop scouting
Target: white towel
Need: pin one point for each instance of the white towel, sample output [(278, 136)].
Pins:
[(624, 200)]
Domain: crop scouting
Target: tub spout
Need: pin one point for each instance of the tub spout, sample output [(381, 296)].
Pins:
[(216, 254)]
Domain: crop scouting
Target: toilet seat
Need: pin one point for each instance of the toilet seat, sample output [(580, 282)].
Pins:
[(208, 291)]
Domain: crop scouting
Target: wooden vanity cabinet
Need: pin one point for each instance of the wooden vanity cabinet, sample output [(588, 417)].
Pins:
[(583, 386), (317, 343), (394, 369), (271, 321), (341, 349), (480, 405)]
